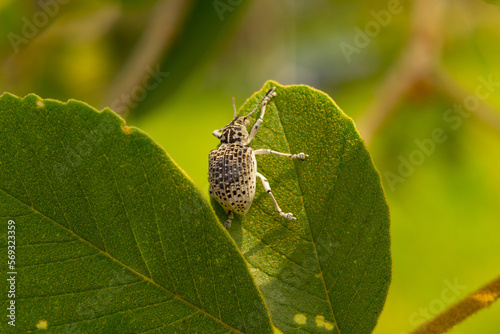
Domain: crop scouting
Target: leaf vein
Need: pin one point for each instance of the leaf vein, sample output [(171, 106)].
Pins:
[(61, 261), (178, 297), (156, 222), (308, 223)]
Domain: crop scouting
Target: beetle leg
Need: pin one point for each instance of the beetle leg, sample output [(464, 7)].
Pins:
[(300, 155), (230, 217), (259, 121), (267, 188), (217, 133)]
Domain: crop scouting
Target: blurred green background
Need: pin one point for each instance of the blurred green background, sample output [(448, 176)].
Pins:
[(398, 68)]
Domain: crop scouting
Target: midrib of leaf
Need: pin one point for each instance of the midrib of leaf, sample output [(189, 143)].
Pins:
[(274, 250), (176, 296), (305, 282), (308, 224)]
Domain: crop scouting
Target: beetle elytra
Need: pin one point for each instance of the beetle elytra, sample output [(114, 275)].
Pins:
[(233, 168)]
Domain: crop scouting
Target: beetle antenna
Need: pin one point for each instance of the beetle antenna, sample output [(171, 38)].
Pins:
[(266, 97), (234, 108)]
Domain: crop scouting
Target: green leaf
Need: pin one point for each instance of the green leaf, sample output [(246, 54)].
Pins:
[(110, 235), (329, 270)]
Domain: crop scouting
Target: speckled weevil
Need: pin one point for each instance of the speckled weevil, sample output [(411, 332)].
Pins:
[(232, 171)]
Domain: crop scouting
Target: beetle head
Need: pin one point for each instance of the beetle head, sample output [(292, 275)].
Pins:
[(235, 131)]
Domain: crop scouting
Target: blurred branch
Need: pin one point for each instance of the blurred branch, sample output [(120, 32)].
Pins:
[(457, 313), (155, 40), (86, 27), (414, 66), (485, 112), (419, 67)]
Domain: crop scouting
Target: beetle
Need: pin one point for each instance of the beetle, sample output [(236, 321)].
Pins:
[(232, 171)]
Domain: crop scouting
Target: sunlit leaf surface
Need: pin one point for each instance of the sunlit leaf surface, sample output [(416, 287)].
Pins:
[(328, 271), (111, 236)]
